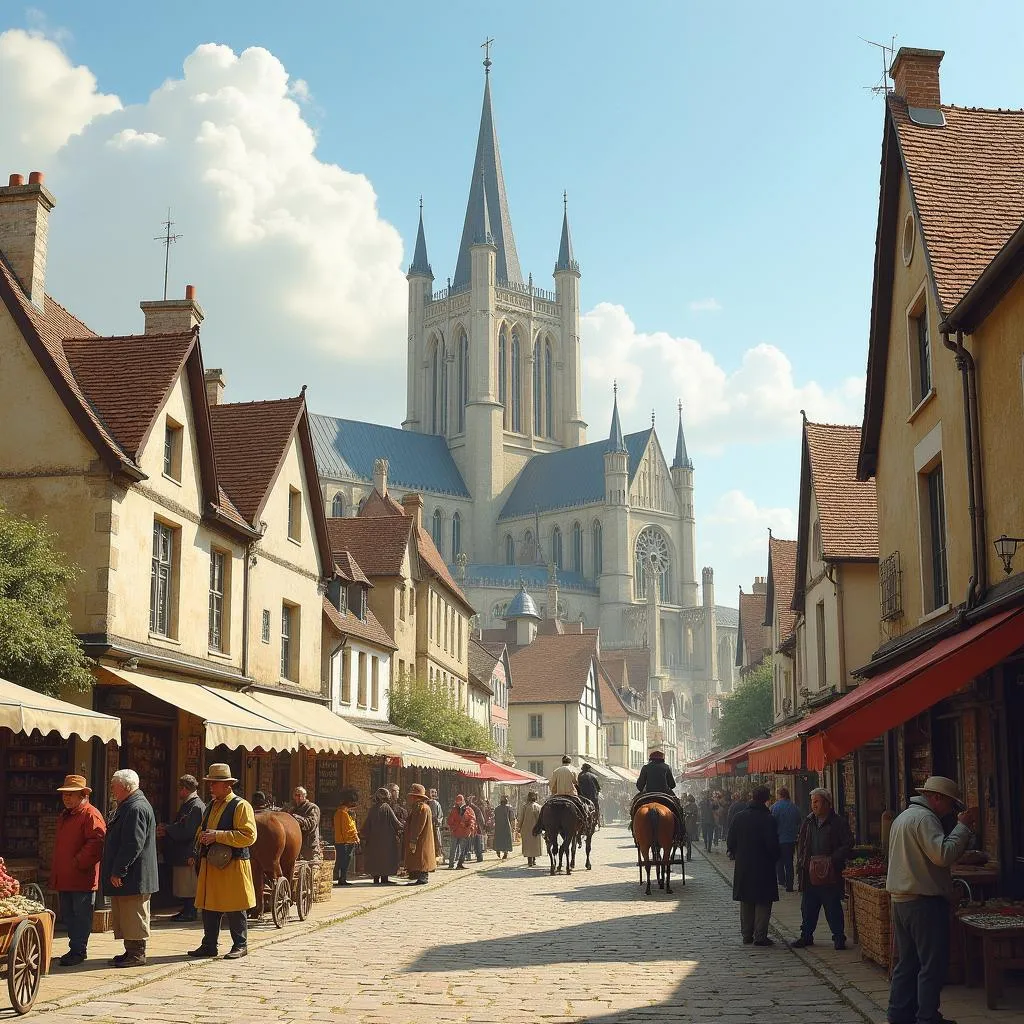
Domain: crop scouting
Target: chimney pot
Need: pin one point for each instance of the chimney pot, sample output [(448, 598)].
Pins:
[(35, 178), (190, 293), (413, 505), (24, 226), (915, 76), (17, 179)]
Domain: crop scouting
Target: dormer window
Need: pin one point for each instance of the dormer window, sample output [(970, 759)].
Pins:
[(357, 601), (172, 449)]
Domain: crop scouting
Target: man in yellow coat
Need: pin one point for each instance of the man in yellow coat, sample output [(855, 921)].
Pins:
[(224, 887)]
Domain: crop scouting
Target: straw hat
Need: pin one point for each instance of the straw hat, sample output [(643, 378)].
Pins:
[(219, 773), (74, 784), (943, 786), (416, 791)]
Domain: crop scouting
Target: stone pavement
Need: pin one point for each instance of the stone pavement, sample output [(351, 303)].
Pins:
[(865, 984), (506, 943)]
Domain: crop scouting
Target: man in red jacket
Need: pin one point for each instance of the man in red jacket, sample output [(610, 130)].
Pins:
[(75, 875)]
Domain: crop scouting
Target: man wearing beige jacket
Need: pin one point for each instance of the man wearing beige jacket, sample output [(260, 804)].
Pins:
[(920, 883)]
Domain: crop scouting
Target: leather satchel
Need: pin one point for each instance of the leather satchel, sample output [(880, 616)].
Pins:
[(219, 855), (822, 871)]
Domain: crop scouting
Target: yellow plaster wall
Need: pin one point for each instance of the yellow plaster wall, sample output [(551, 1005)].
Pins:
[(859, 581)]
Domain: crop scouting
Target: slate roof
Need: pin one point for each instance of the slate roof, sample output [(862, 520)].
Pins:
[(346, 449), (378, 543), (726, 617), (553, 669), (781, 584), (756, 637), (488, 181), (420, 264), (348, 625), (568, 477), (534, 576), (847, 507), (566, 260)]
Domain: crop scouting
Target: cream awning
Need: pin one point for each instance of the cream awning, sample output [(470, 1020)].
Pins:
[(226, 723), (627, 774), (317, 727), (22, 710), (603, 773), (417, 753)]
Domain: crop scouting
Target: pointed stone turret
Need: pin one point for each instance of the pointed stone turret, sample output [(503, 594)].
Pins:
[(488, 180), (420, 266), (682, 484), (682, 460), (567, 291), (615, 439), (566, 260)]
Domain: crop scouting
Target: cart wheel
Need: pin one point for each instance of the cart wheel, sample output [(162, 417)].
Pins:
[(304, 892), (33, 892), (280, 901), (24, 966)]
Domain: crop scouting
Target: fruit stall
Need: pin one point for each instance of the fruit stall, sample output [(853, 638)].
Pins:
[(26, 942)]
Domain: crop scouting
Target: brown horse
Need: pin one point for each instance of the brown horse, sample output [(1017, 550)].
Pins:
[(654, 831), (561, 817), (273, 855)]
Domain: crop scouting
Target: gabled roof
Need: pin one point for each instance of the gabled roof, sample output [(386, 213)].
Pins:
[(755, 636), (568, 477), (612, 705), (781, 583), (346, 450), (348, 625), (635, 665), (482, 660), (378, 543), (349, 569), (553, 669), (487, 193)]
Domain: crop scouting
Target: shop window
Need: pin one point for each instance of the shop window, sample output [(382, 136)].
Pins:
[(163, 581)]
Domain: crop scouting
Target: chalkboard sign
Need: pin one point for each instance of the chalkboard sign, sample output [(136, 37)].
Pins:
[(328, 782)]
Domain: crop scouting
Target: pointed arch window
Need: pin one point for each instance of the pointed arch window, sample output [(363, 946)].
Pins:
[(577, 548), (456, 536), (437, 529), (503, 372), (516, 385), (529, 548), (435, 388), (510, 550), (538, 398), (598, 550), (463, 380), (556, 547), (549, 417), (338, 505)]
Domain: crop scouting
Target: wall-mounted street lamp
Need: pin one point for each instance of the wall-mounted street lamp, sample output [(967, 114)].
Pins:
[(1006, 548)]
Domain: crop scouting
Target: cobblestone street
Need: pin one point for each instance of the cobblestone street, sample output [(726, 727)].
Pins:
[(506, 944)]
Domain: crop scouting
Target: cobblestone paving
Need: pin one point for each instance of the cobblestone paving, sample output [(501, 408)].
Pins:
[(509, 944)]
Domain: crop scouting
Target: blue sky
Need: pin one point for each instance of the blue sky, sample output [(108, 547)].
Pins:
[(721, 163)]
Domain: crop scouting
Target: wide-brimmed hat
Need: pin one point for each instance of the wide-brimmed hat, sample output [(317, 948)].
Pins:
[(74, 784), (416, 790), (219, 773), (943, 786)]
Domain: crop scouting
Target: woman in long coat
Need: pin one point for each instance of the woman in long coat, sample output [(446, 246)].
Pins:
[(420, 858), (503, 820), (753, 842), (529, 815), (379, 839)]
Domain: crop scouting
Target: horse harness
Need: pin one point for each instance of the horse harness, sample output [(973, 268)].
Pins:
[(666, 800)]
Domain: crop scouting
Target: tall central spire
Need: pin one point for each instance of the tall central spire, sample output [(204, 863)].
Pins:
[(487, 179)]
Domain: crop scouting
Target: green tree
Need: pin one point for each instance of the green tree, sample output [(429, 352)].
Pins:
[(38, 647), (747, 712), (432, 712)]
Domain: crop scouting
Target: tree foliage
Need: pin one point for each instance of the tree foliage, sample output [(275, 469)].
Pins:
[(431, 711), (747, 712), (38, 647)]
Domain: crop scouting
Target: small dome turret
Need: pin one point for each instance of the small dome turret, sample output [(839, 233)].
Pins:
[(522, 606)]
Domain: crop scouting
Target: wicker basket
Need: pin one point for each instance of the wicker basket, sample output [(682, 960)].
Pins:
[(323, 881), (874, 931)]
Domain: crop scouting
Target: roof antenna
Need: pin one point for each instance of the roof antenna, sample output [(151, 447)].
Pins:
[(486, 47), (888, 52), (168, 240)]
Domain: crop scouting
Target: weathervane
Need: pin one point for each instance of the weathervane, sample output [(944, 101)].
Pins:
[(486, 47), (168, 240)]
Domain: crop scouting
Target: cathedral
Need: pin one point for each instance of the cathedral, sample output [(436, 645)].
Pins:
[(495, 441)]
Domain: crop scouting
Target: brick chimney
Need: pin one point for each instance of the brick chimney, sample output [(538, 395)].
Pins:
[(173, 316), (760, 585), (24, 227), (915, 76), (413, 505), (380, 477), (215, 385)]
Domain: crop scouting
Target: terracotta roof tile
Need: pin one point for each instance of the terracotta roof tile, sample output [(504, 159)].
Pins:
[(250, 439), (782, 579), (378, 543), (847, 508), (349, 568), (966, 181), (553, 669), (615, 665), (348, 625), (127, 379), (481, 664), (611, 704), (757, 637)]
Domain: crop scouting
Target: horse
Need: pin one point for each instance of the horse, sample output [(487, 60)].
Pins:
[(654, 832), (273, 855), (586, 836), (561, 817)]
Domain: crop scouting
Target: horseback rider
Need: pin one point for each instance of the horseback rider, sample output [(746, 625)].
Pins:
[(588, 785), (656, 777), (564, 782)]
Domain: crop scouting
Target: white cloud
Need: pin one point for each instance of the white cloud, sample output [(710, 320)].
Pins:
[(757, 401), (708, 305), (293, 264)]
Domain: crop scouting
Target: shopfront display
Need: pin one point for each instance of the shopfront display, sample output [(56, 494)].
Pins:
[(33, 767)]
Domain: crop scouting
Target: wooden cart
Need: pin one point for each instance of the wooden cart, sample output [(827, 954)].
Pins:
[(26, 945), (283, 894)]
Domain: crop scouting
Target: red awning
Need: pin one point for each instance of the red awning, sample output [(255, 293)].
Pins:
[(492, 771), (725, 763), (895, 696)]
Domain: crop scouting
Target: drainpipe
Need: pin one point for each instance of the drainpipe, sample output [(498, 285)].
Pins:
[(965, 364), (245, 608)]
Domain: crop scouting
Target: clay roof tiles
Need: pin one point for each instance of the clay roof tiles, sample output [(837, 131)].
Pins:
[(757, 637), (348, 567), (348, 625), (378, 543), (553, 669), (782, 573)]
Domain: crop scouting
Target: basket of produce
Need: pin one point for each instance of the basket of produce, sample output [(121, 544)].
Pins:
[(864, 867), (26, 942)]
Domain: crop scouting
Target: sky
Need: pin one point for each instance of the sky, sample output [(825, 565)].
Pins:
[(721, 163)]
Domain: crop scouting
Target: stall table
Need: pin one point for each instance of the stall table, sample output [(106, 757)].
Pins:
[(1001, 939), (982, 878)]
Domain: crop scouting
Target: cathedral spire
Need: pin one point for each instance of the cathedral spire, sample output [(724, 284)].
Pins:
[(566, 260), (489, 180), (682, 460), (420, 265), (615, 440)]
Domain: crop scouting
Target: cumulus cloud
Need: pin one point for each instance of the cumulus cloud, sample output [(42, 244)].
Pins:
[(708, 305), (758, 400), (295, 267)]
